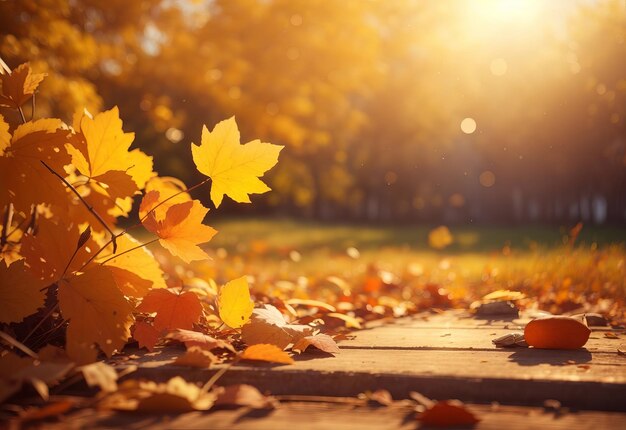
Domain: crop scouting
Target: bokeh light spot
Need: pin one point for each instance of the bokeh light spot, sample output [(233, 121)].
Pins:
[(468, 126), (487, 179)]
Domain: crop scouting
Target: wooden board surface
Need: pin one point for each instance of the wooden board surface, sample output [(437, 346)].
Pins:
[(301, 416), (448, 355)]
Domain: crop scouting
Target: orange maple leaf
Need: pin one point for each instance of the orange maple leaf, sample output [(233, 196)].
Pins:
[(172, 310), (19, 86), (181, 230)]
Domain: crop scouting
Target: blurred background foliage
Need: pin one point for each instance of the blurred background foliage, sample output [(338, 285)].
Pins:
[(505, 111)]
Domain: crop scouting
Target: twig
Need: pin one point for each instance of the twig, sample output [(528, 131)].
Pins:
[(128, 250), (19, 345), (22, 115), (87, 205), (6, 223), (41, 321), (206, 387)]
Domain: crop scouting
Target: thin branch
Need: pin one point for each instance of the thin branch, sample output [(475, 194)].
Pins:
[(123, 232), (22, 115), (206, 387), (41, 321), (87, 205), (198, 185), (128, 250), (6, 223), (16, 343)]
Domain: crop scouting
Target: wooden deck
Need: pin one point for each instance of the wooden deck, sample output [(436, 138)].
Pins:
[(446, 356)]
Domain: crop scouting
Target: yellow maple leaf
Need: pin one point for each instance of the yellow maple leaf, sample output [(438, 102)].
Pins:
[(100, 150), (181, 230), (135, 272), (20, 292), (97, 312), (5, 136), (235, 169), (234, 303), (266, 352), (170, 191), (19, 86), (20, 165)]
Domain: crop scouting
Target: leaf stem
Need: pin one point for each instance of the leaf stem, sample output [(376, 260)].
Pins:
[(198, 185), (87, 205), (128, 250)]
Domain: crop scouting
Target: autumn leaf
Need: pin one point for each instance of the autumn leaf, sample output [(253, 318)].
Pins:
[(234, 303), (322, 342), (5, 136), (135, 272), (21, 167), (194, 338), (267, 325), (243, 395), (348, 321), (20, 292), (54, 250), (101, 375), (448, 413), (174, 396), (49, 410), (97, 312), (266, 352), (170, 191), (196, 357), (172, 310), (19, 86), (235, 169), (146, 335), (182, 230)]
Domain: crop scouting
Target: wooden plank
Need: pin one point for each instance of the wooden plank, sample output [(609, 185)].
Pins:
[(338, 416), (523, 376), (428, 337)]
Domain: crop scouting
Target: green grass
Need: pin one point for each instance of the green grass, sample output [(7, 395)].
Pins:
[(303, 236)]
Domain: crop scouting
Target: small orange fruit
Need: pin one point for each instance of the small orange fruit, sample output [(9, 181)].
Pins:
[(556, 332)]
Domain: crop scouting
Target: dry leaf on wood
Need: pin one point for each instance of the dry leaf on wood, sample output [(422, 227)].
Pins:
[(266, 352), (243, 395), (448, 413), (194, 338), (196, 357), (267, 325), (320, 341)]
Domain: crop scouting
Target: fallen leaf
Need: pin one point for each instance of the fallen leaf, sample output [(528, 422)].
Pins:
[(448, 413), (100, 374), (504, 295), (267, 325), (174, 396), (196, 357), (266, 352), (146, 335), (243, 395), (378, 397), (50, 410), (172, 310), (233, 168), (320, 341), (194, 338), (610, 335), (311, 303), (621, 350), (349, 321), (234, 303)]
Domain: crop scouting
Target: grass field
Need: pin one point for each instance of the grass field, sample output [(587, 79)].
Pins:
[(293, 259)]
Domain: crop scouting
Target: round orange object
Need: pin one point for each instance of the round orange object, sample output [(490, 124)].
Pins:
[(556, 332)]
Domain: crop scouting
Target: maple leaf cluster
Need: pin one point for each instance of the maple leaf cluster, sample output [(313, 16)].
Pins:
[(66, 267)]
